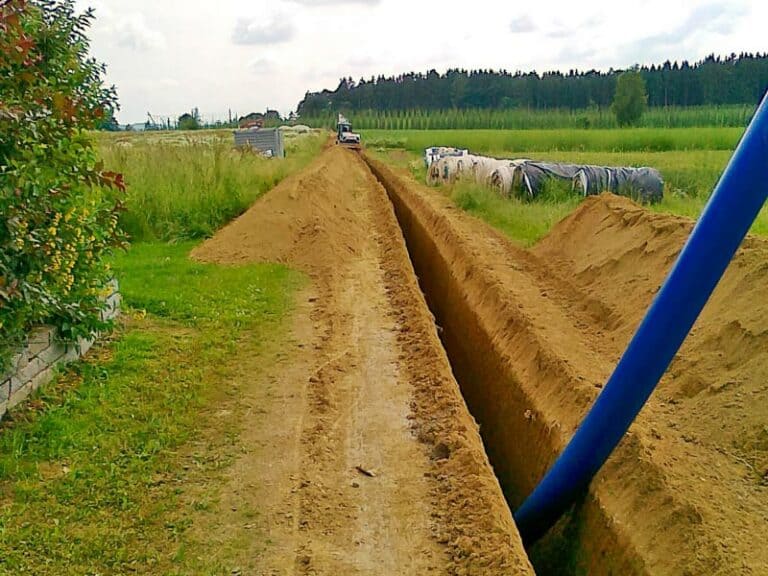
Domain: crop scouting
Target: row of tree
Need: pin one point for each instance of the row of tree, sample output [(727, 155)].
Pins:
[(735, 79)]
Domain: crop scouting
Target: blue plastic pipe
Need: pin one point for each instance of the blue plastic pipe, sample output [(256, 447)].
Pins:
[(727, 217)]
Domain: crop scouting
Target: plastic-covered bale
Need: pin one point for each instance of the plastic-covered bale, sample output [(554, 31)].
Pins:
[(434, 174), (591, 180), (503, 178), (483, 167), (535, 175), (643, 184)]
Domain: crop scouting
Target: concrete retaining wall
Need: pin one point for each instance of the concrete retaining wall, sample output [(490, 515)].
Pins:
[(35, 365)]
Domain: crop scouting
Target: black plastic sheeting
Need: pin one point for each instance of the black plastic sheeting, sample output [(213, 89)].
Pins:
[(643, 184)]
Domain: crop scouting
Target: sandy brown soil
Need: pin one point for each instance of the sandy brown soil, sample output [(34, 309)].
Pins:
[(369, 462), (533, 335)]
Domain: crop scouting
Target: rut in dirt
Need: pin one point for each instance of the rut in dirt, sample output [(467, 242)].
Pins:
[(532, 335)]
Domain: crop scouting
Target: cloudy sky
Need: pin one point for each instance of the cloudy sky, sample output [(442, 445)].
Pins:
[(169, 56)]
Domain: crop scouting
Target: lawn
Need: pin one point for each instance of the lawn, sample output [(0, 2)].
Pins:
[(105, 469), (98, 473)]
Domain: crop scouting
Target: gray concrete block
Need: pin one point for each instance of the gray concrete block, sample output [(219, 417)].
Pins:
[(35, 366), (16, 385), (18, 396), (53, 353), (41, 379), (5, 390), (38, 340), (19, 360)]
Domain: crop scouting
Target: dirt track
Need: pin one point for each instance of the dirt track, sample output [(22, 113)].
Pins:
[(531, 337), (371, 388)]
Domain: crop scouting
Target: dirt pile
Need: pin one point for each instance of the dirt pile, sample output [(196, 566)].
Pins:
[(533, 335), (307, 220), (377, 395), (707, 423)]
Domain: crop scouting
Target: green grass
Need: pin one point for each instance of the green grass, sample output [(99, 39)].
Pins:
[(690, 173), (530, 119), (91, 475), (525, 222), (188, 185), (498, 142)]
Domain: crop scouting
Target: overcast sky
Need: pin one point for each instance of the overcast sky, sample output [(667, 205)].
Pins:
[(169, 56)]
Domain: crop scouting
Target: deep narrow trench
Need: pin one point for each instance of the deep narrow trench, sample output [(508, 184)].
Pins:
[(519, 448)]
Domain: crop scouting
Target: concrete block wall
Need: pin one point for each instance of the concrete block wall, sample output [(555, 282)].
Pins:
[(35, 365)]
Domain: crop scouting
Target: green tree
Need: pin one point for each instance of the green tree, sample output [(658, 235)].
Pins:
[(188, 122), (58, 207), (631, 98)]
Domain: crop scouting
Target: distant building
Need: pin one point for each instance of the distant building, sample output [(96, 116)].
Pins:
[(252, 120), (259, 120)]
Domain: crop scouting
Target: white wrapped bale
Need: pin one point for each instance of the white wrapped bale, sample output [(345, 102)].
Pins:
[(502, 179), (447, 170)]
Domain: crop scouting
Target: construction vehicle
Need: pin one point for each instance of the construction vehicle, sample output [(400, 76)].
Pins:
[(344, 134)]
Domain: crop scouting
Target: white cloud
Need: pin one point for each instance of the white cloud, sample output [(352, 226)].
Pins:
[(261, 65), (522, 25), (251, 31), (129, 30), (133, 32), (286, 47)]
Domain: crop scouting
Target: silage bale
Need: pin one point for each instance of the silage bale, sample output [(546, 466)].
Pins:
[(434, 173), (591, 180), (446, 170), (643, 184), (502, 179)]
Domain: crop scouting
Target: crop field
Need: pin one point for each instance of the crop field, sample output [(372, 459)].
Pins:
[(531, 119)]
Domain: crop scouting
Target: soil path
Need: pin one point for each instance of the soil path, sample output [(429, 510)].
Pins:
[(367, 461)]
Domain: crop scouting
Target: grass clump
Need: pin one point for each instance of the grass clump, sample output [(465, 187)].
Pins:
[(524, 221)]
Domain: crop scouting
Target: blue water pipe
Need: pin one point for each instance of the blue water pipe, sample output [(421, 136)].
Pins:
[(727, 217)]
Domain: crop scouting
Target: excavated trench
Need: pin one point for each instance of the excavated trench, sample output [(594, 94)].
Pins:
[(520, 444)]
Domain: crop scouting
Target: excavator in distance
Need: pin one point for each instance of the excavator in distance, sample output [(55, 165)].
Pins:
[(344, 135)]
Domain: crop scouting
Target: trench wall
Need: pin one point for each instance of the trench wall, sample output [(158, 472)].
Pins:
[(519, 437)]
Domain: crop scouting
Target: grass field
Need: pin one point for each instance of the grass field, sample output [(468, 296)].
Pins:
[(102, 472), (691, 161), (187, 185)]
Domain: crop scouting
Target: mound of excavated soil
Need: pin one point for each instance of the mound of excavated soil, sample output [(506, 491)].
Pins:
[(389, 475), (708, 420), (307, 220)]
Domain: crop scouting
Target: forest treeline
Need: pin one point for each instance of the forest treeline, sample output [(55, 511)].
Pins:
[(714, 81)]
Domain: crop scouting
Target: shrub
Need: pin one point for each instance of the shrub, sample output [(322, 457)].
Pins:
[(58, 207)]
